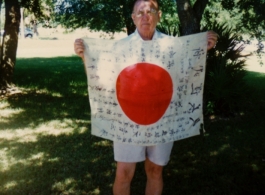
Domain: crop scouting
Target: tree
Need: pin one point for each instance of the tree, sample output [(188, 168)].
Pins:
[(10, 39), (246, 16), (190, 16), (108, 16)]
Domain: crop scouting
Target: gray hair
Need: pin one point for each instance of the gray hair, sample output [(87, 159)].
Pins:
[(156, 1)]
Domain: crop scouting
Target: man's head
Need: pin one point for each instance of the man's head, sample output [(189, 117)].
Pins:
[(156, 2), (146, 15)]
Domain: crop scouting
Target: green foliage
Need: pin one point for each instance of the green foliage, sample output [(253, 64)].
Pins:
[(169, 30), (169, 23), (253, 17), (225, 87), (244, 16), (216, 12), (169, 13), (97, 15), (108, 16), (38, 8)]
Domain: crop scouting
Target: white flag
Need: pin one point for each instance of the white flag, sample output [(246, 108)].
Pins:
[(146, 92)]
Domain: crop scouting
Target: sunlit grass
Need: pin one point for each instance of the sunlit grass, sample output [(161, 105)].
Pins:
[(46, 146), (7, 112), (53, 127)]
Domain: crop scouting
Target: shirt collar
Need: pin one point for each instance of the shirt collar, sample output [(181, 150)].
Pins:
[(155, 36)]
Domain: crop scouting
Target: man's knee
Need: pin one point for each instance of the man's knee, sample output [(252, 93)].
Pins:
[(125, 171), (153, 170)]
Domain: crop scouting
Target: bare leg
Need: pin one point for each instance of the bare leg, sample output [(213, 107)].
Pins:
[(154, 184), (124, 175)]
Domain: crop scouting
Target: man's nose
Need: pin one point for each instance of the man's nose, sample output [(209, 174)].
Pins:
[(146, 16)]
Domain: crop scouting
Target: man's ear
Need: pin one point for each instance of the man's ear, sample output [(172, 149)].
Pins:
[(159, 15), (133, 17)]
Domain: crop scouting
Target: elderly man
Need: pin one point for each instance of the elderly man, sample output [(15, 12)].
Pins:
[(146, 15)]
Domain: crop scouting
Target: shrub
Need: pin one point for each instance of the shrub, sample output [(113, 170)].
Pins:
[(225, 89), (169, 30)]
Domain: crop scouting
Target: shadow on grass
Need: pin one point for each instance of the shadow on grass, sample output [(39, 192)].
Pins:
[(35, 109), (54, 88), (228, 159), (63, 164)]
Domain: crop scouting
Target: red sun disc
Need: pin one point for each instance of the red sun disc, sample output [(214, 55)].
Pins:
[(144, 92)]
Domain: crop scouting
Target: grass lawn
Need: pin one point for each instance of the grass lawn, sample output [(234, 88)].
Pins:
[(46, 146)]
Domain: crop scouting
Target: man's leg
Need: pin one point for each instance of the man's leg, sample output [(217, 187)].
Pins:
[(157, 157), (124, 174), (154, 184)]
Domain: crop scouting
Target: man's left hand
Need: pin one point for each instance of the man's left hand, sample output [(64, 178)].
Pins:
[(212, 38)]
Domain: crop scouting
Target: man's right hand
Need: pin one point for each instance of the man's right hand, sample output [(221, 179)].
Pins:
[(79, 48)]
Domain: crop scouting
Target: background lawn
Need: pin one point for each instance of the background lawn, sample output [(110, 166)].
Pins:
[(46, 146)]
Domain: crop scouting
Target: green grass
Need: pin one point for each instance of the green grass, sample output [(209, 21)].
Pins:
[(46, 146)]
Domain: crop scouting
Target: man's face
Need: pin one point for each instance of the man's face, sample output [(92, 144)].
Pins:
[(145, 17)]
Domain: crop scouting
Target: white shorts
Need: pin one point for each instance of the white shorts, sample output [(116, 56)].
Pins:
[(158, 154)]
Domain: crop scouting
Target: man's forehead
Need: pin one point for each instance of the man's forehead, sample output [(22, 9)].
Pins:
[(141, 4)]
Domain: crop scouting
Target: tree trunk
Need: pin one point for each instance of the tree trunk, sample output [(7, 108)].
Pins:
[(1, 1), (190, 17), (22, 26), (10, 43), (130, 27)]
